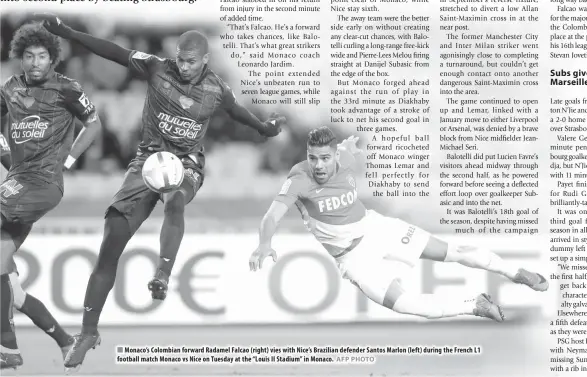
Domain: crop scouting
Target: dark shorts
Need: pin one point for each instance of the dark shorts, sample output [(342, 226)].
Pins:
[(24, 202), (135, 201)]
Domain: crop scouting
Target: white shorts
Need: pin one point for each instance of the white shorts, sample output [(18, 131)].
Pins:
[(389, 249)]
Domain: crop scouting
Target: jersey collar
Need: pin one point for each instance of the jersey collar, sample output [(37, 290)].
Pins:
[(197, 81), (202, 75)]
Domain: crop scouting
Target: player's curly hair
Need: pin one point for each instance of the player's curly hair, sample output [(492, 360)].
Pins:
[(322, 136), (34, 34)]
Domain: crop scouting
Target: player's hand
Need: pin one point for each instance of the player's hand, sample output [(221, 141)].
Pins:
[(256, 259), (273, 125), (4, 147), (350, 144), (53, 24)]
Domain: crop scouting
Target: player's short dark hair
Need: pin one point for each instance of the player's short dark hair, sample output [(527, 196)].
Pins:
[(34, 34), (193, 40), (320, 137)]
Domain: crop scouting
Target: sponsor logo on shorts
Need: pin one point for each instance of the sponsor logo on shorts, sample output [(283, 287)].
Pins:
[(408, 237), (9, 188), (194, 177), (28, 129), (179, 127)]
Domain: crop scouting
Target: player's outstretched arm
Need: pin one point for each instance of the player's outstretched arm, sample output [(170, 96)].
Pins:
[(271, 127), (3, 106), (268, 227), (5, 158), (91, 130), (82, 108), (100, 47)]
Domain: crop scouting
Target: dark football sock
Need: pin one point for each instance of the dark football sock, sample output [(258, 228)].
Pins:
[(171, 235), (7, 336), (116, 235), (42, 318)]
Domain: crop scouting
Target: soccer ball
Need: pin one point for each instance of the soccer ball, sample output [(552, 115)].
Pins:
[(163, 172)]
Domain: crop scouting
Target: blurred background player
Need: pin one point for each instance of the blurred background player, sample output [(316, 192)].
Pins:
[(182, 95), (24, 302), (40, 106), (373, 251)]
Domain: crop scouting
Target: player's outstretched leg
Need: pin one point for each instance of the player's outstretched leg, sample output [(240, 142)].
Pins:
[(9, 353), (117, 233), (432, 306), (38, 313), (380, 280), (171, 235), (481, 258)]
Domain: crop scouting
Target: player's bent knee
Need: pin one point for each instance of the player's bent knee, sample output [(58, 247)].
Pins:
[(174, 202), (116, 225), (436, 250), (113, 212), (18, 293)]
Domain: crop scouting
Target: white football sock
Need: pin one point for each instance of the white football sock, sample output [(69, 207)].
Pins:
[(481, 258), (433, 306)]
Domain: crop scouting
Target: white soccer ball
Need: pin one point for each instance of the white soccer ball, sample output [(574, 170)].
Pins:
[(163, 172)]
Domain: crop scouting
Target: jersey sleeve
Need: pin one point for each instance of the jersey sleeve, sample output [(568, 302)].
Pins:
[(293, 188), (3, 105), (228, 98), (144, 65), (78, 102)]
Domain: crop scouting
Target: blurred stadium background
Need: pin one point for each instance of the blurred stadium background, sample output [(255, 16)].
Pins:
[(214, 300)]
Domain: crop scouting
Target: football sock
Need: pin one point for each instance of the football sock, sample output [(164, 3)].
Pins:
[(7, 336), (433, 306), (116, 235), (481, 258), (171, 235), (42, 318)]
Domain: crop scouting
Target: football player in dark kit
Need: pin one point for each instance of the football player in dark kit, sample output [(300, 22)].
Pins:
[(40, 106), (182, 95), (25, 302)]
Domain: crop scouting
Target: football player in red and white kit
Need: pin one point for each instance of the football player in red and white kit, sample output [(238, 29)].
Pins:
[(373, 251)]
